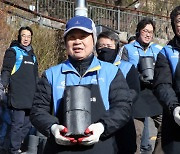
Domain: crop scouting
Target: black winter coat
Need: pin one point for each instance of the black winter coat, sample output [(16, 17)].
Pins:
[(115, 119), (163, 89), (21, 83)]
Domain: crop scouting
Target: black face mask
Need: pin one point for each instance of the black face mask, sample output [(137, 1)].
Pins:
[(107, 54)]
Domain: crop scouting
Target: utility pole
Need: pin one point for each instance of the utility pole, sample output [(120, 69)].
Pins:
[(81, 8)]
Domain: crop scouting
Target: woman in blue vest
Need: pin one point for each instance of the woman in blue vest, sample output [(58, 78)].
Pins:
[(167, 87), (19, 76), (110, 106)]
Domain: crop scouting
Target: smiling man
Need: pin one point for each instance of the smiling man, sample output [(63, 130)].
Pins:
[(143, 54), (111, 105), (19, 76)]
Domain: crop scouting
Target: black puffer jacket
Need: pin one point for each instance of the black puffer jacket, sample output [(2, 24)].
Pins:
[(9, 61), (43, 105), (113, 120), (163, 89), (19, 83)]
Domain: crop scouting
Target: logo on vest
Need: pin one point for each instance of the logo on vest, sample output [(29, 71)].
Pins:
[(136, 53), (28, 62), (62, 85), (20, 57), (175, 55), (93, 99), (101, 79), (94, 81)]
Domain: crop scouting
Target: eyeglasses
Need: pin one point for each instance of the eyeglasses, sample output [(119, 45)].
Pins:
[(26, 36), (145, 31), (106, 45), (177, 22)]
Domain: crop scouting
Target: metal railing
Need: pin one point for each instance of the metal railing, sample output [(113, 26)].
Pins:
[(124, 20), (20, 15)]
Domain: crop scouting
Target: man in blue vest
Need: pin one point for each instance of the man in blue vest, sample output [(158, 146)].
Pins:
[(143, 53), (107, 48), (19, 77), (167, 87), (110, 102)]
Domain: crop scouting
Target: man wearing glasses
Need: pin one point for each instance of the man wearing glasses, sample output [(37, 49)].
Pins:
[(143, 54), (167, 87), (19, 77)]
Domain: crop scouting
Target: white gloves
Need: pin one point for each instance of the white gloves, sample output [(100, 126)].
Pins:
[(57, 131), (95, 131), (176, 114)]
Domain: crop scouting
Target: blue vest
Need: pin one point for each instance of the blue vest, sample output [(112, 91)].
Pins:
[(19, 57), (65, 74), (124, 66), (172, 55), (135, 51)]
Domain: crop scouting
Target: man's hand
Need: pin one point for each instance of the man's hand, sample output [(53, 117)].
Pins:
[(3, 94), (95, 131), (143, 80), (58, 131), (176, 114)]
